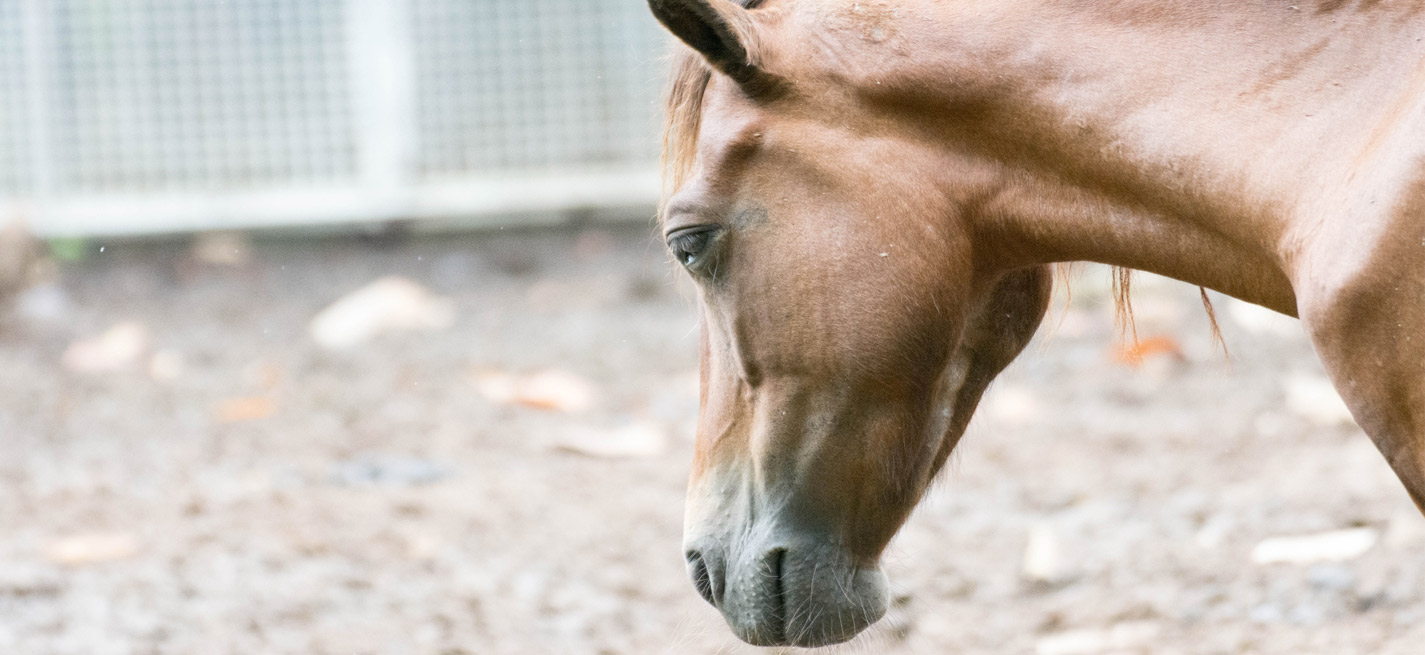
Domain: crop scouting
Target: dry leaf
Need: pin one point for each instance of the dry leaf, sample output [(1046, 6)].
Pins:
[(1134, 353), (551, 390), (116, 349), (390, 304), (249, 408)]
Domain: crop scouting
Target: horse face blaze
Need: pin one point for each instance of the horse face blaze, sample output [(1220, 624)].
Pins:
[(831, 301)]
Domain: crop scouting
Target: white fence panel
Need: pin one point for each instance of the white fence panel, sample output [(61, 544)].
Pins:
[(143, 116)]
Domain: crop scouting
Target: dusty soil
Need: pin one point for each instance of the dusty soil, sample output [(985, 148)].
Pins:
[(254, 493)]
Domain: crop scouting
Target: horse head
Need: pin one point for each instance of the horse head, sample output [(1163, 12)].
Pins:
[(848, 328)]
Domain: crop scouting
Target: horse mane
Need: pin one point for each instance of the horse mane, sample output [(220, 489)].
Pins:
[(683, 115)]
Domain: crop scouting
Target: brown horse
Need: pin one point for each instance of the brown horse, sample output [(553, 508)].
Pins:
[(869, 193)]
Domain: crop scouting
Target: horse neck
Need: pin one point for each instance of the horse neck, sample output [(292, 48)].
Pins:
[(1164, 136)]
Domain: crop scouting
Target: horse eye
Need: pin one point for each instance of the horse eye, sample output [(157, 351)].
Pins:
[(689, 246)]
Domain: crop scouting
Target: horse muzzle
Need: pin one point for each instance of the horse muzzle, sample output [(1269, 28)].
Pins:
[(789, 591)]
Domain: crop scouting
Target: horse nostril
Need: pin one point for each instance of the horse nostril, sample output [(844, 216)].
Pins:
[(702, 578), (777, 560)]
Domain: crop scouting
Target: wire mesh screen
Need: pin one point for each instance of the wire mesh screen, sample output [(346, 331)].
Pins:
[(525, 84), (151, 111), (14, 112), (164, 93)]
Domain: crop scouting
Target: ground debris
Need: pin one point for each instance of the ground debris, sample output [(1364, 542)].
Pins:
[(246, 408), (1133, 352), (551, 389), (223, 248), (1314, 398), (389, 470), (390, 304), (19, 253), (631, 441), (1128, 636), (166, 366), (92, 548), (1334, 546), (117, 349), (43, 303), (1044, 564), (29, 580)]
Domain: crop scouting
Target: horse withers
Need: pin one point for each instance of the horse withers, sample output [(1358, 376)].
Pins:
[(870, 195)]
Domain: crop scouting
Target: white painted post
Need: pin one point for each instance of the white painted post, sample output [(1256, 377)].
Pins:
[(35, 16), (382, 70)]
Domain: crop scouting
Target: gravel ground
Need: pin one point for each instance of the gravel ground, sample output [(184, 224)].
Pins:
[(238, 489)]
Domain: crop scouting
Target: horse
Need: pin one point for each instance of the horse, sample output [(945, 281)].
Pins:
[(871, 197)]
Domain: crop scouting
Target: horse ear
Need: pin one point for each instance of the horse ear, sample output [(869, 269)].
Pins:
[(723, 32)]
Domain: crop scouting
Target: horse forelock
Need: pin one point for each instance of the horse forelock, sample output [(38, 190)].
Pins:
[(683, 101), (683, 111)]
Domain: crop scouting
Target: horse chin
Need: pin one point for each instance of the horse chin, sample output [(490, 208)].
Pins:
[(797, 593)]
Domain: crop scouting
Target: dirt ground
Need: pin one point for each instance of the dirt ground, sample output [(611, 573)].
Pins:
[(239, 489)]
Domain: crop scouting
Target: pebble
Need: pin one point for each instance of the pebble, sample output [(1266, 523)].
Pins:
[(1044, 562), (387, 470), (1314, 398), (92, 548), (1335, 546), (1091, 641)]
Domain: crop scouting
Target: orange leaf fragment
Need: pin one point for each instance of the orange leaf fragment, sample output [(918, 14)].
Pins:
[(248, 408), (1134, 353)]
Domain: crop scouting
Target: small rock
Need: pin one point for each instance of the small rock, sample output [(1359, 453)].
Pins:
[(22, 581), (93, 548), (1307, 614), (1406, 531), (1312, 397), (1044, 562), (1336, 546), (424, 547), (374, 470), (1267, 613), (633, 441), (165, 366), (45, 303), (1014, 405), (116, 349), (1331, 577), (222, 248), (1092, 641), (1214, 532), (390, 304)]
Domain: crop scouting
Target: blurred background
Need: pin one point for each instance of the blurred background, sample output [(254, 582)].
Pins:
[(340, 326)]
